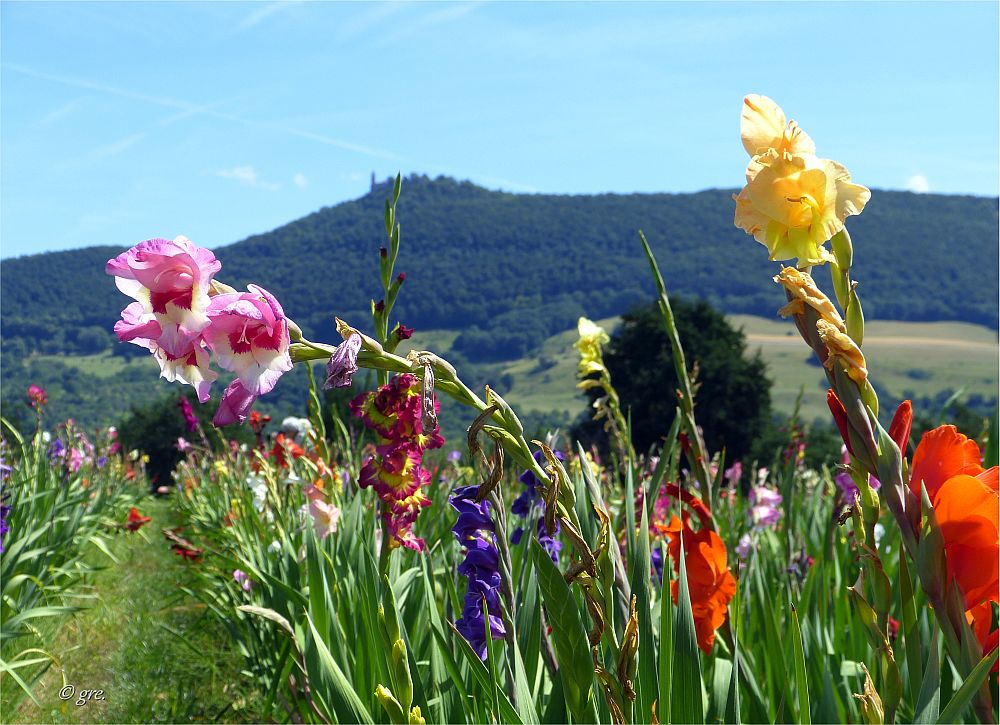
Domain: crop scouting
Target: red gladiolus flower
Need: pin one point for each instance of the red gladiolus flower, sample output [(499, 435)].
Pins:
[(281, 445), (135, 520), (37, 397), (710, 583), (966, 504)]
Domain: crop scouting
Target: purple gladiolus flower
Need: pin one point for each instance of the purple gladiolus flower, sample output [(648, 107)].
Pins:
[(474, 530), (455, 456), (343, 363), (528, 499), (57, 450)]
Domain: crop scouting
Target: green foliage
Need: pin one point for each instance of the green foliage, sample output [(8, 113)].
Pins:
[(154, 429), (733, 401)]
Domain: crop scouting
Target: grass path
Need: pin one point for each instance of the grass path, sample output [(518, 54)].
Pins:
[(145, 643)]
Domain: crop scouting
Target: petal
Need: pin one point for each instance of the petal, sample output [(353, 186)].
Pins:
[(941, 454), (762, 124)]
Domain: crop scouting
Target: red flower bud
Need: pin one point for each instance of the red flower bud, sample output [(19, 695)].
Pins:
[(899, 429), (839, 417)]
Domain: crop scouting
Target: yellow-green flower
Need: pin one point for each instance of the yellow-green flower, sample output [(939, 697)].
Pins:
[(592, 338)]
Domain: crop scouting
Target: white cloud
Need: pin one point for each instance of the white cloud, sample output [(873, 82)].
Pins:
[(247, 176), (918, 184), (300, 180)]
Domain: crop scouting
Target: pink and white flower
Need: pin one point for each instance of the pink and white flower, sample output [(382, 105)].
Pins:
[(325, 517), (183, 357), (170, 279), (249, 336)]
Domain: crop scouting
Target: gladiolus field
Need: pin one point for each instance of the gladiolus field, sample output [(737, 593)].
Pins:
[(356, 564)]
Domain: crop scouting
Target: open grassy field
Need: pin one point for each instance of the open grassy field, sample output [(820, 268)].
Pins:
[(912, 359)]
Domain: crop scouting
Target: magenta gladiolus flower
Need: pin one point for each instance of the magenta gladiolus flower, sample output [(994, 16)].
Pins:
[(249, 336), (169, 278), (234, 406)]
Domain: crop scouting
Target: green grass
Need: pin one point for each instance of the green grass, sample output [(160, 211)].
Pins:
[(146, 644)]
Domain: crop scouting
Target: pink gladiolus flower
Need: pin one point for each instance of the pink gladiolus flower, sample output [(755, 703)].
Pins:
[(765, 502), (183, 357), (249, 336), (234, 406), (325, 517), (169, 278)]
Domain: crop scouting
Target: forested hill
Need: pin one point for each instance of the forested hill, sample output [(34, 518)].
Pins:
[(510, 269)]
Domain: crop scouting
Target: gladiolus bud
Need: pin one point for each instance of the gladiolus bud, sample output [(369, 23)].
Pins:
[(899, 429), (383, 252), (871, 703), (415, 717), (401, 277), (839, 417), (401, 671), (391, 705)]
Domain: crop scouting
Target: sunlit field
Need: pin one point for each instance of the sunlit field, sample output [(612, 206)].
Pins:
[(669, 516)]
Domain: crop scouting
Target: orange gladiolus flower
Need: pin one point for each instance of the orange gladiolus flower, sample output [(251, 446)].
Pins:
[(710, 582), (966, 503)]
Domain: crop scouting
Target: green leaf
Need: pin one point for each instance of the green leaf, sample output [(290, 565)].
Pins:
[(569, 636), (666, 643), (344, 700), (929, 697), (645, 679), (961, 699), (801, 682), (685, 693)]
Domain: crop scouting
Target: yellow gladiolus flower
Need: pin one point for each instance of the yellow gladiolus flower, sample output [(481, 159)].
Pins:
[(592, 338), (763, 127), (793, 201)]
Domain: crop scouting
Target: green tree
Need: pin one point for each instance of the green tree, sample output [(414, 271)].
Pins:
[(733, 398)]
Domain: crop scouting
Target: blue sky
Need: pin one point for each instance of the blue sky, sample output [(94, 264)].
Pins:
[(124, 121)]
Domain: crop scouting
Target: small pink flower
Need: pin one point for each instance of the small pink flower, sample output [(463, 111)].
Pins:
[(325, 517), (169, 278), (182, 445), (243, 579)]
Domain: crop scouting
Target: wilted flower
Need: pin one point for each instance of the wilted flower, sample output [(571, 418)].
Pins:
[(343, 363), (530, 498)]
